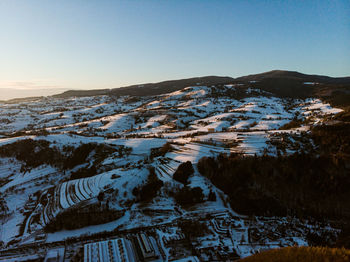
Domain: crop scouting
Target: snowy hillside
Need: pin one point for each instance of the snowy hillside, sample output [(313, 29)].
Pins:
[(141, 134)]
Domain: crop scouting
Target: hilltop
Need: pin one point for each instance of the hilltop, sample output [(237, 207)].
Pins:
[(152, 88), (335, 90)]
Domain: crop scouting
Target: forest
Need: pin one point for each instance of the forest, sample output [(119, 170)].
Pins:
[(314, 184), (34, 153), (79, 218)]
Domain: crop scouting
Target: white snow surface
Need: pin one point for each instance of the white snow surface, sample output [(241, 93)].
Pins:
[(195, 123)]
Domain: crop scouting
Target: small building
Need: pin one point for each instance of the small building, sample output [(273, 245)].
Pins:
[(146, 247), (211, 130)]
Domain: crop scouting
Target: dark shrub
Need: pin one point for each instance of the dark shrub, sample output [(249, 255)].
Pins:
[(193, 228), (3, 207), (183, 172), (33, 152), (212, 196), (161, 151), (189, 196), (77, 218), (150, 189), (101, 196), (84, 172)]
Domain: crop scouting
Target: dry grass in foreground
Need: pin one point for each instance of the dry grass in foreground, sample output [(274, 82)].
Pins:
[(302, 254)]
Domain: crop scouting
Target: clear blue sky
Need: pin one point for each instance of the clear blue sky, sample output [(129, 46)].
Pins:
[(105, 44)]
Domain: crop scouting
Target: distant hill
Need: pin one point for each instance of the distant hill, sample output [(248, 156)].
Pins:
[(294, 76), (335, 90), (151, 88), (15, 93), (93, 92), (278, 82)]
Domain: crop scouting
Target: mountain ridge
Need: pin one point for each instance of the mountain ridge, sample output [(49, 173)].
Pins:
[(279, 82), (152, 88), (174, 85), (296, 76)]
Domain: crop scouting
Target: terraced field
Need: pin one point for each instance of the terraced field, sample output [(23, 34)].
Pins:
[(72, 193)]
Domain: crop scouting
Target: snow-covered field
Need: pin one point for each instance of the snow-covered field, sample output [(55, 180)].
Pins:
[(195, 123)]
